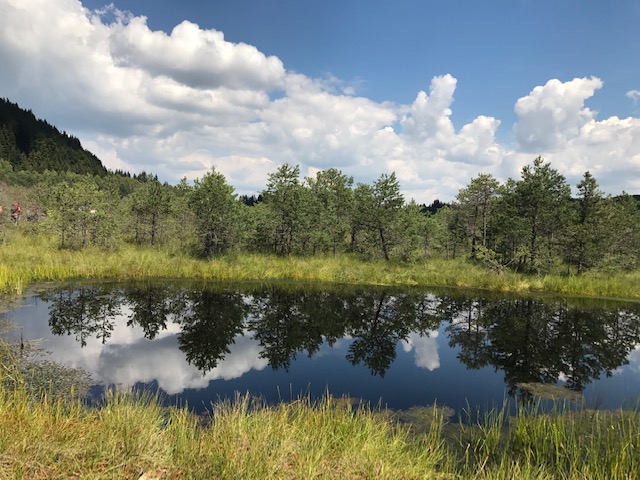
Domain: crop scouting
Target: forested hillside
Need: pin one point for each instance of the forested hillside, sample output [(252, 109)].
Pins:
[(531, 224), (28, 143)]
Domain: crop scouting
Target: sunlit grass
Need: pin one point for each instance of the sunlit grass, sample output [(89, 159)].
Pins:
[(243, 439), (25, 260), (46, 434), (131, 434)]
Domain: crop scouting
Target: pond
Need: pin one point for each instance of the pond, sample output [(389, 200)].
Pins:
[(398, 348)]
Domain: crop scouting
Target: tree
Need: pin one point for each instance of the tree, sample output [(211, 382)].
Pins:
[(214, 207), (475, 204), (8, 148), (333, 200), (86, 312), (540, 201), (586, 237), (150, 206), (376, 210), (287, 220), (415, 239), (213, 322), (448, 231), (82, 214), (623, 233)]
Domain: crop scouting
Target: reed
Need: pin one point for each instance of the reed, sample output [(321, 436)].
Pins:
[(45, 434), (26, 260), (131, 435)]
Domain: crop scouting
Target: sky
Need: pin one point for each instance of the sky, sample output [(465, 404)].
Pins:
[(437, 91)]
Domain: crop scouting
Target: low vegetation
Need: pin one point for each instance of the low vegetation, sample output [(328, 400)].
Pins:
[(131, 436), (45, 433), (78, 220), (26, 260)]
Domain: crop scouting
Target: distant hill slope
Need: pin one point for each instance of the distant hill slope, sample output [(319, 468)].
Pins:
[(29, 143)]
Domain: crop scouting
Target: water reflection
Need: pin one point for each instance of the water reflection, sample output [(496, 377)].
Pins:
[(227, 331), (535, 341)]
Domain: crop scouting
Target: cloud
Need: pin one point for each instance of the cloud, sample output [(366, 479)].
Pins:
[(553, 114), (429, 114), (634, 95), (163, 362), (425, 348), (194, 57), (634, 359), (177, 103)]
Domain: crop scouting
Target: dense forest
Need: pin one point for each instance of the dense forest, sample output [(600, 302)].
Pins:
[(28, 143), (529, 224)]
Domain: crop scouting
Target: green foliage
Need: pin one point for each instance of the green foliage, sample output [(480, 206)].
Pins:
[(475, 206), (623, 234), (332, 209), (150, 206), (415, 238), (82, 215), (537, 209), (32, 144), (451, 234), (530, 225), (586, 236), (376, 208), (287, 222), (215, 210)]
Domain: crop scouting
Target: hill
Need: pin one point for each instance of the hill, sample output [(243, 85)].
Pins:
[(29, 143)]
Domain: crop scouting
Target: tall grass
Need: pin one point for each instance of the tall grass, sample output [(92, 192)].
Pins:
[(45, 435), (25, 260), (131, 435), (562, 444)]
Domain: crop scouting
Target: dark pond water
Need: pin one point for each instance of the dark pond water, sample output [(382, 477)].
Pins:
[(396, 347)]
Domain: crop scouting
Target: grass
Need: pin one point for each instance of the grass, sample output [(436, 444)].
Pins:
[(47, 435), (244, 439), (25, 260), (131, 436)]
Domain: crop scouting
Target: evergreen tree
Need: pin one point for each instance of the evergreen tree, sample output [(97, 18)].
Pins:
[(215, 208), (286, 220), (623, 233), (332, 209), (82, 214), (376, 213), (540, 201), (586, 236), (415, 235), (150, 206), (475, 205)]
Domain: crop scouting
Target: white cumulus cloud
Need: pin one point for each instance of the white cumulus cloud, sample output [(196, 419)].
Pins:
[(178, 103), (553, 114)]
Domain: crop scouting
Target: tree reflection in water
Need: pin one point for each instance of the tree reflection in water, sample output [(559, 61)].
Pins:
[(530, 340)]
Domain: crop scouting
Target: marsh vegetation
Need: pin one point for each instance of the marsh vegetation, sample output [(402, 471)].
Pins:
[(526, 235)]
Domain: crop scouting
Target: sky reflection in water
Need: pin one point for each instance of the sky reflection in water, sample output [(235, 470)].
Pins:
[(400, 347)]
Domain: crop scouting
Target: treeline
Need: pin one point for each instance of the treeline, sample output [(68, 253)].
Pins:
[(28, 143), (531, 224)]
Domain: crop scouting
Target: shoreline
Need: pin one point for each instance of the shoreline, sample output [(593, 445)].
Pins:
[(38, 262)]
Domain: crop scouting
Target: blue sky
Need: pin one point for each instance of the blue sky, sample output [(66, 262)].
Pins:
[(498, 50), (438, 91)]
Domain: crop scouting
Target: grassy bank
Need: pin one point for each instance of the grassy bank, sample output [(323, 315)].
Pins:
[(49, 436), (26, 260), (130, 437)]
